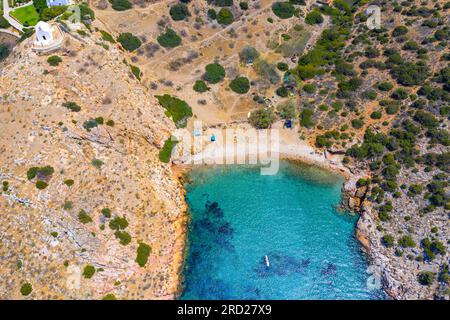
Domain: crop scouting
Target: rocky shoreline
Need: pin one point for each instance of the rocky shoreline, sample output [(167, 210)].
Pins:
[(353, 201)]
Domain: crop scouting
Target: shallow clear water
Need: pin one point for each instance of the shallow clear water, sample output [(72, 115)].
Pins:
[(239, 216)]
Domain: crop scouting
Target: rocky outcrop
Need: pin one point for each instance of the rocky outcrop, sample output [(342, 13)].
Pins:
[(354, 196), (109, 148), (396, 273)]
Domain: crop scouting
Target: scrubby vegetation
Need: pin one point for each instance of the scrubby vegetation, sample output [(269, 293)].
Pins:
[(129, 41), (109, 296), (121, 5), (107, 37), (179, 12), (54, 60), (166, 151), (176, 109), (83, 217), (200, 86), (26, 289), (169, 39), (4, 51), (225, 17), (240, 85), (72, 106), (283, 10), (314, 17), (214, 73), (88, 271), (143, 252), (262, 118)]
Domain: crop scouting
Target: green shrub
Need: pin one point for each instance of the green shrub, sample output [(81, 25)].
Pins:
[(166, 151), (169, 39), (109, 296), (221, 3), (143, 252), (351, 85), (106, 212), (426, 278), (212, 14), (4, 51), (444, 274), (90, 124), (399, 31), (426, 119), (415, 189), (376, 115), (86, 12), (309, 88), (41, 172), (26, 289), (179, 12), (72, 106), (262, 118), (200, 86), (240, 85), (176, 109), (41, 184), (120, 5), (83, 217), (107, 37), (243, 5), (123, 236), (369, 95), (314, 17), (410, 74), (54, 60), (97, 163), (282, 66), (392, 109), (406, 242), (88, 271), (306, 118), (385, 86), (357, 123), (136, 72), (383, 216), (282, 91), (225, 17), (372, 53), (411, 46), (388, 241), (283, 10), (399, 94), (26, 33), (129, 41), (118, 223), (214, 73)]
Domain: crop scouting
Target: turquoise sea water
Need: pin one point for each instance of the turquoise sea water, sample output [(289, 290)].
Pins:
[(239, 216)]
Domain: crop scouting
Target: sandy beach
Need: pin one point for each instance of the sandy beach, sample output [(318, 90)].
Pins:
[(240, 144)]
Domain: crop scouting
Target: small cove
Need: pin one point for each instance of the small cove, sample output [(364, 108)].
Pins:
[(239, 217)]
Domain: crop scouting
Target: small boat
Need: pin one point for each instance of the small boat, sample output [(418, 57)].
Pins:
[(266, 258)]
